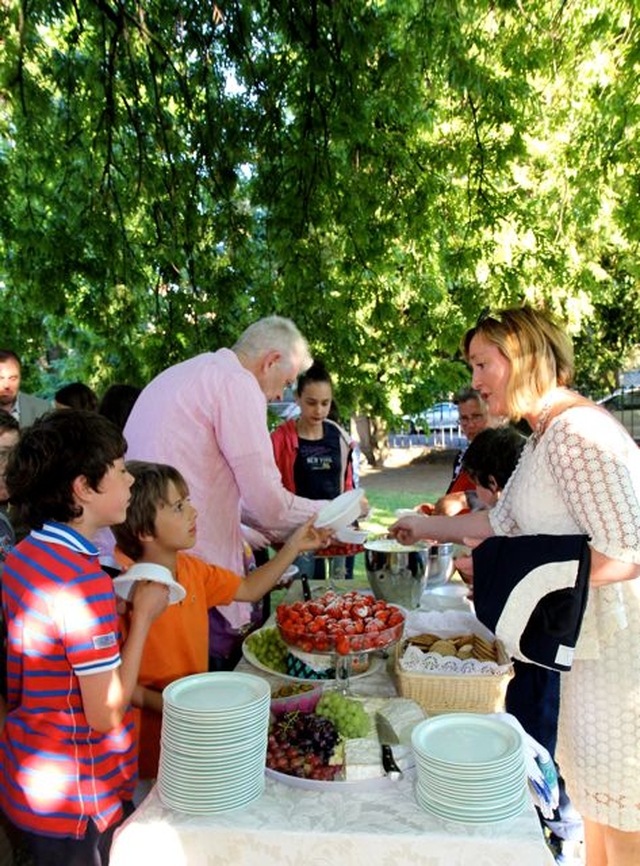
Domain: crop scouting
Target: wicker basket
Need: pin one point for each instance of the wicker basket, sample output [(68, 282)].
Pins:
[(461, 693)]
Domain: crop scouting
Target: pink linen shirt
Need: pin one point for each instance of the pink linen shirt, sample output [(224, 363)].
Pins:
[(208, 417)]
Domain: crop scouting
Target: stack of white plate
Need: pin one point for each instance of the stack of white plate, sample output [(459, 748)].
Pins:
[(213, 743), (470, 768)]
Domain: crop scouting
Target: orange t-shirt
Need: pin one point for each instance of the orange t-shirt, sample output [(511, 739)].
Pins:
[(178, 644)]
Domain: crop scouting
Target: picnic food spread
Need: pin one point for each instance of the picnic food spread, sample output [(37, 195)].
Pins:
[(338, 740)]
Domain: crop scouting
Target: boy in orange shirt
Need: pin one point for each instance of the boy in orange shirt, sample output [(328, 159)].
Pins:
[(160, 526)]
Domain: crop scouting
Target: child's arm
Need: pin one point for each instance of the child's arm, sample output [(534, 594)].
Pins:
[(147, 699), (260, 581), (106, 696)]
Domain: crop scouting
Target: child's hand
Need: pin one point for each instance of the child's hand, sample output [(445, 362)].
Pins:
[(307, 537), (149, 598)]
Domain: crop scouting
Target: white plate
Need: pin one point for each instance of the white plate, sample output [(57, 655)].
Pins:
[(467, 740), (287, 575), (123, 585), (490, 817), (352, 536), (341, 511), (335, 785), (375, 664), (221, 691)]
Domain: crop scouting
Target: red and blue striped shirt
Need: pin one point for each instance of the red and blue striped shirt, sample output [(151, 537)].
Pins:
[(60, 610)]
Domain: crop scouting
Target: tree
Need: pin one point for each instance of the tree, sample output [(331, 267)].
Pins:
[(379, 170)]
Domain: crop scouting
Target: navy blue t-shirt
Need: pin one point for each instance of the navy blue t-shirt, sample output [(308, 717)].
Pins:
[(317, 469)]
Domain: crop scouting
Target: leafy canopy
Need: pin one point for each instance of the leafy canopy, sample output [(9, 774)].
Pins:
[(378, 170)]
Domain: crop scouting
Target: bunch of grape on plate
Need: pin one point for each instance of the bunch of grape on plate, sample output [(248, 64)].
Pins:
[(301, 744), (269, 648), (309, 745)]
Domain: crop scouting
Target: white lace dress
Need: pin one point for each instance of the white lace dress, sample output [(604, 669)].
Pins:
[(583, 476)]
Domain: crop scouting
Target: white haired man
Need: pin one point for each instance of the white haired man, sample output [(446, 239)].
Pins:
[(207, 416)]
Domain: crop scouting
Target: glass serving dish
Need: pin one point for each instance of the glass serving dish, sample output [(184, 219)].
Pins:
[(343, 626)]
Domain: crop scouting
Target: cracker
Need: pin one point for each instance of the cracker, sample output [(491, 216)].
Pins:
[(443, 648), (424, 641), (465, 651), (484, 650)]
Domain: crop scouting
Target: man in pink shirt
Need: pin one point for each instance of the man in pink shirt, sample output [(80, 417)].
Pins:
[(208, 417)]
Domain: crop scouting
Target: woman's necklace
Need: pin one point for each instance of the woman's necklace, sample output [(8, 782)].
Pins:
[(542, 419), (541, 424)]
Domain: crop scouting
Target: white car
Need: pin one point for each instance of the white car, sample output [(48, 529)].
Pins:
[(624, 404)]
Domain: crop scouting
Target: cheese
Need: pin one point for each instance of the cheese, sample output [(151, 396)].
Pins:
[(398, 717), (362, 759)]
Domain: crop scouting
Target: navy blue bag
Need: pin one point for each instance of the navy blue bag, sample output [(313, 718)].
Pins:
[(531, 591)]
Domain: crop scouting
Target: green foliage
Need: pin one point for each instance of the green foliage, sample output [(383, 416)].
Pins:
[(379, 170)]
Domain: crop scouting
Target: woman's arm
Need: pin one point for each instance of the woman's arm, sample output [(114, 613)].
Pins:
[(418, 527), (605, 570)]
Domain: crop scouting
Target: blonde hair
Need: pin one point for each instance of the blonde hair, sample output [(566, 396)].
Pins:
[(275, 333), (540, 353)]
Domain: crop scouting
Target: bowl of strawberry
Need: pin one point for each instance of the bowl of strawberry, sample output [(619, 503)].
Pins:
[(341, 624)]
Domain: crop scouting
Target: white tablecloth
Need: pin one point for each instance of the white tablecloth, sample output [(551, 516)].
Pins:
[(287, 826)]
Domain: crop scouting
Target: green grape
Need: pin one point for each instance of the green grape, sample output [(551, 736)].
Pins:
[(269, 648), (349, 716)]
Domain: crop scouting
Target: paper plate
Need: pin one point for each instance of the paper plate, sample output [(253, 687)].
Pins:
[(352, 536), (341, 511), (287, 575), (124, 584)]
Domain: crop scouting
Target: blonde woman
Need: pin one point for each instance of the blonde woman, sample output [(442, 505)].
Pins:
[(579, 473)]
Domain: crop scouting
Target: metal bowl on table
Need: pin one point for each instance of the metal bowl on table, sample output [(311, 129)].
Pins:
[(400, 573)]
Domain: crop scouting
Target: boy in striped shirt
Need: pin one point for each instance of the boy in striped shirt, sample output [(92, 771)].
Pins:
[(67, 749)]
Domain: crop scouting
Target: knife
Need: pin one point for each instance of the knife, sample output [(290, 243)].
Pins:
[(306, 589), (391, 769)]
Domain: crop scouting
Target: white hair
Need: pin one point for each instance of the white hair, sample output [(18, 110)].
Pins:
[(274, 333)]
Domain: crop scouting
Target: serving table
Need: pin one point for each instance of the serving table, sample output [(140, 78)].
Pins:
[(380, 825)]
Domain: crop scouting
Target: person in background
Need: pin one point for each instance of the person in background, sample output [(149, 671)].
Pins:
[(312, 452), (9, 435), (490, 460), (67, 747), (117, 402), (460, 496), (533, 695), (25, 408), (77, 395), (207, 416), (579, 473), (160, 527)]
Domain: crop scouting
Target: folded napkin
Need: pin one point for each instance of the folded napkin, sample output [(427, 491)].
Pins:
[(541, 769)]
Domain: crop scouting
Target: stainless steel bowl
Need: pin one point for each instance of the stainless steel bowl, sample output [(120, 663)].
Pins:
[(400, 574)]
